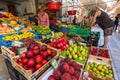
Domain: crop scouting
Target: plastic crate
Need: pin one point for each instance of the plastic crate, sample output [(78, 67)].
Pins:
[(84, 32), (64, 29)]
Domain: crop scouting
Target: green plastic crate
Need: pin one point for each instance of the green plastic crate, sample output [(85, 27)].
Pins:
[(84, 32)]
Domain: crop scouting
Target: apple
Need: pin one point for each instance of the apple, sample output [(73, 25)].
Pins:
[(49, 52), (30, 54), (20, 64), (31, 63), (25, 67), (38, 58), (43, 47), (48, 58), (43, 62), (36, 47), (19, 60), (53, 40), (23, 55), (24, 61), (32, 69), (36, 51), (53, 54), (38, 66), (44, 54)]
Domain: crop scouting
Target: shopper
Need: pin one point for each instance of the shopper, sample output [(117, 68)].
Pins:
[(116, 23), (104, 21), (43, 18)]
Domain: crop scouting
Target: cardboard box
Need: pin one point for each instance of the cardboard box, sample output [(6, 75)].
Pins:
[(100, 60)]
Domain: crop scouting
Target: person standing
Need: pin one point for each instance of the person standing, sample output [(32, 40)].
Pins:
[(104, 21), (43, 18), (116, 23)]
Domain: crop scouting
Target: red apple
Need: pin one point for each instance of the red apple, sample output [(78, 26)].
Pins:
[(36, 51), (53, 40), (53, 54), (44, 54), (38, 58), (30, 54), (31, 63), (32, 69), (35, 47), (19, 60), (20, 64), (25, 67), (43, 48), (38, 66), (43, 62), (24, 61), (49, 52)]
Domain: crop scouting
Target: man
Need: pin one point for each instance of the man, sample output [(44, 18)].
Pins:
[(104, 21)]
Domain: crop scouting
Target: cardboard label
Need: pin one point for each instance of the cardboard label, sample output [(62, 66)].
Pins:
[(22, 50), (54, 63), (17, 43)]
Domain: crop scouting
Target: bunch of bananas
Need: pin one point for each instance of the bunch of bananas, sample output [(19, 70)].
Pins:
[(19, 37)]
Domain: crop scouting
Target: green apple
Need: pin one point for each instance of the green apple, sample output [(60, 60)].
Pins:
[(75, 56), (94, 69), (70, 56)]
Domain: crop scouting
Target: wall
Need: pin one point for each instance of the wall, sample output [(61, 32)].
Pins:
[(3, 5)]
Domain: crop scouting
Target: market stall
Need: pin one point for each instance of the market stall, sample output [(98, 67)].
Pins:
[(65, 51)]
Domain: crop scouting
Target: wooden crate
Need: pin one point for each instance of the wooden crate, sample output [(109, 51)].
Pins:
[(28, 73), (7, 53), (100, 53), (50, 71), (100, 60)]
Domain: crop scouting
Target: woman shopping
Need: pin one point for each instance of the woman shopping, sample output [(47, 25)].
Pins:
[(104, 21), (43, 18)]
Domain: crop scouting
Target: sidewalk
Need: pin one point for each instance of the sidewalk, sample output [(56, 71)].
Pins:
[(114, 48)]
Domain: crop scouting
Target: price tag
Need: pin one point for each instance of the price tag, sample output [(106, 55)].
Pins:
[(17, 43), (52, 33), (71, 42), (43, 37), (54, 63), (22, 50)]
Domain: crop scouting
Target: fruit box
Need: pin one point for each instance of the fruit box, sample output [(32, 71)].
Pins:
[(50, 71), (81, 62), (38, 41), (28, 73), (100, 61), (100, 52), (8, 54)]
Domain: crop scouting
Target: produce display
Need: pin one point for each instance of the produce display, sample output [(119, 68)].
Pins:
[(100, 52), (41, 29), (58, 34), (60, 43), (64, 25), (67, 70), (75, 57), (19, 36), (5, 29), (35, 57), (100, 70), (76, 52)]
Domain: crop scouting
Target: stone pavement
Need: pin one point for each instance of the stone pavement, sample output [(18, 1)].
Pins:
[(114, 48)]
